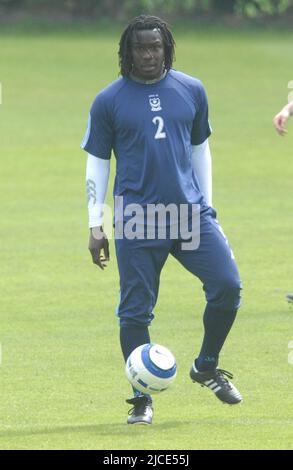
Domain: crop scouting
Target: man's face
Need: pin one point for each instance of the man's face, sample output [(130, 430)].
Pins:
[(148, 54)]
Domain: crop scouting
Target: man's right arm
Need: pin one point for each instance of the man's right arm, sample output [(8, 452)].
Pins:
[(282, 117), (97, 178)]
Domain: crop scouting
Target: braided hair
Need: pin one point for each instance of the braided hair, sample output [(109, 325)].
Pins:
[(141, 23)]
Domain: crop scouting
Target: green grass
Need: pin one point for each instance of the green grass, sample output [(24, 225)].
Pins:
[(62, 378)]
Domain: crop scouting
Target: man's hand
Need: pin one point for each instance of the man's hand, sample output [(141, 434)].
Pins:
[(280, 121), (98, 242)]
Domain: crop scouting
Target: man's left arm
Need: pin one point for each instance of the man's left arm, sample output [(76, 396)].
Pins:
[(202, 167), (201, 155)]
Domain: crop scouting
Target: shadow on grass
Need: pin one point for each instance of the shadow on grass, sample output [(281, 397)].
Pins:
[(98, 429)]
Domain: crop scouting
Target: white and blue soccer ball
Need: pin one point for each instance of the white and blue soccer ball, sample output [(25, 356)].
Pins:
[(151, 368)]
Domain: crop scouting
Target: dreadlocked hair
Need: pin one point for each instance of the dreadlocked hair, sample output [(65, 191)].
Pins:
[(141, 23)]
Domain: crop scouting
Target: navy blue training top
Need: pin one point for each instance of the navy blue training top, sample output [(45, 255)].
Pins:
[(151, 128)]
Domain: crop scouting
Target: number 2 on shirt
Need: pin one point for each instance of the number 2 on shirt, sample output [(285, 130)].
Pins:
[(159, 121)]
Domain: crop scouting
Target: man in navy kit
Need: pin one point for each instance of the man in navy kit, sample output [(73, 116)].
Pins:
[(155, 119)]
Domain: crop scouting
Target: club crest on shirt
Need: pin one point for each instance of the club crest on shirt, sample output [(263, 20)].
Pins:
[(155, 103)]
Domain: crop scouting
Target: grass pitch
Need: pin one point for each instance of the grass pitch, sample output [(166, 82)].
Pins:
[(62, 376)]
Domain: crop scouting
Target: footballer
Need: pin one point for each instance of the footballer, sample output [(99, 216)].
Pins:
[(155, 121)]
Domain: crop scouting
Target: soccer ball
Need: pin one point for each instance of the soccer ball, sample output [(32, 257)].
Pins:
[(151, 368)]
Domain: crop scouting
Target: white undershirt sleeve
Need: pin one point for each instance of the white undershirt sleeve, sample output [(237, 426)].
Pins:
[(97, 178), (202, 167)]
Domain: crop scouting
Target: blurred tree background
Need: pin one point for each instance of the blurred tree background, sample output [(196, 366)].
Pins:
[(120, 9)]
